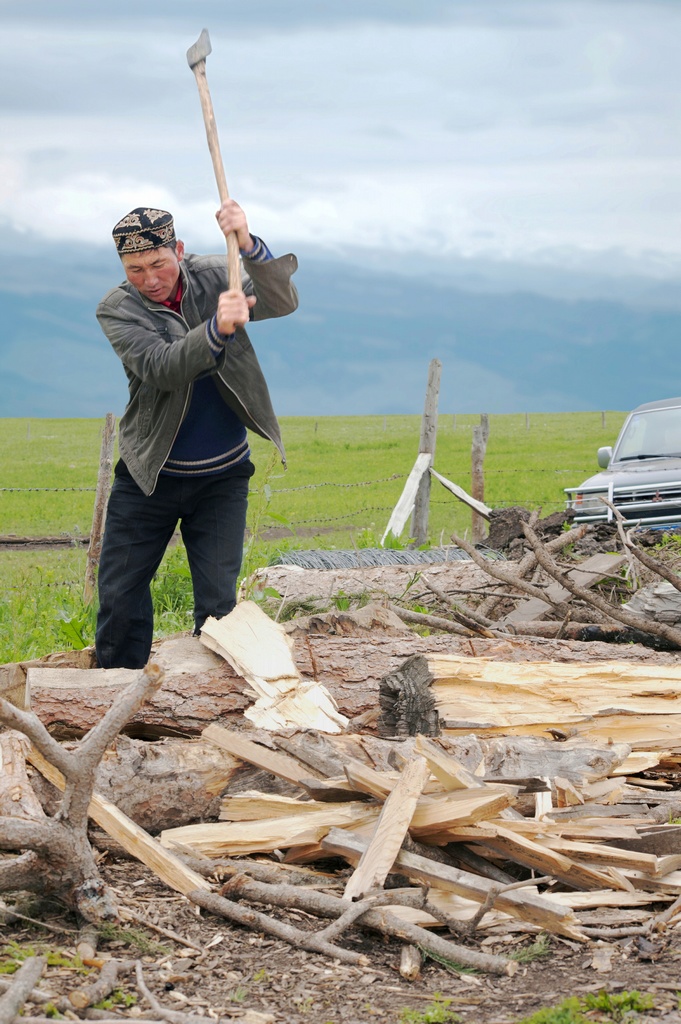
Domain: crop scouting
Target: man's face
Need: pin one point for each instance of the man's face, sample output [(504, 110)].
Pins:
[(154, 272)]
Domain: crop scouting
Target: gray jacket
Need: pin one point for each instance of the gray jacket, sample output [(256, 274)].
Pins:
[(163, 353)]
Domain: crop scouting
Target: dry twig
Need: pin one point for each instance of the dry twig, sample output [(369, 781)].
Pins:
[(629, 618)]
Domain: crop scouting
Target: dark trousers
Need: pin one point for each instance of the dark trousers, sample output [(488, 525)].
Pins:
[(212, 516)]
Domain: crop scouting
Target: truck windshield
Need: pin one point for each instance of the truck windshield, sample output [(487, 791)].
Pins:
[(655, 433)]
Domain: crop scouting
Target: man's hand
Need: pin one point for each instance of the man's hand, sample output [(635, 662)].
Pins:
[(233, 309), (231, 217)]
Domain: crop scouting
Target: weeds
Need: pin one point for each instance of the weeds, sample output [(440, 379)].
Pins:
[(619, 1006), (541, 947), (611, 1007), (567, 1012), (437, 1012), (450, 965), (238, 995), (135, 937), (117, 999), (13, 955)]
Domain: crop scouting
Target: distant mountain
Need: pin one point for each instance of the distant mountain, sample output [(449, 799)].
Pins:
[(363, 337)]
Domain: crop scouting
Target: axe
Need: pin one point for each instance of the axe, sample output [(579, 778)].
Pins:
[(196, 58)]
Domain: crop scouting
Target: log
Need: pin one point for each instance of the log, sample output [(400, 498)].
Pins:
[(391, 581), (199, 688), (486, 697), (159, 784)]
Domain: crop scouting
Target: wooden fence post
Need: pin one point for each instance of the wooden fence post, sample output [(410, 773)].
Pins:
[(101, 497), (419, 519), (478, 449)]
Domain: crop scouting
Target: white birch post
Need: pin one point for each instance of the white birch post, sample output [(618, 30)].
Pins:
[(101, 497), (419, 519)]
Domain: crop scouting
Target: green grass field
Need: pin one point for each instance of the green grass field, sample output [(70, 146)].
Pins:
[(344, 476)]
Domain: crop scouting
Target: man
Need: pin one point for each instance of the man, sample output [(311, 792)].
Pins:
[(195, 386)]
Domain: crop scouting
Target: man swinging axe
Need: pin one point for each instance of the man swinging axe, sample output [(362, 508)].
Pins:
[(195, 386)]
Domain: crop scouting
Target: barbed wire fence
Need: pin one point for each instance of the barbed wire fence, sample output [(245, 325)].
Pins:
[(346, 516)]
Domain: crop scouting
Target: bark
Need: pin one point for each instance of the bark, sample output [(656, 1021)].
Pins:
[(270, 926), (160, 784), (350, 667)]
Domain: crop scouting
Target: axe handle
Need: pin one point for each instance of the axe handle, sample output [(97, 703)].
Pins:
[(233, 264)]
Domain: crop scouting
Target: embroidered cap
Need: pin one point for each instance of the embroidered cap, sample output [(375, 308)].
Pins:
[(143, 229)]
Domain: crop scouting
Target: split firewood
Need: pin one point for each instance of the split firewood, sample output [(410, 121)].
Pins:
[(260, 651), (391, 828), (227, 838), (547, 861), (524, 906), (256, 754)]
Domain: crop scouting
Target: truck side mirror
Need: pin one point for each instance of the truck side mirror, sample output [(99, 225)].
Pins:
[(604, 456)]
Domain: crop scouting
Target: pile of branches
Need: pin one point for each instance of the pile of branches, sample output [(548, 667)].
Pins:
[(540, 571)]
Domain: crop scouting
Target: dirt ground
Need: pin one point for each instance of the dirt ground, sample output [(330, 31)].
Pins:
[(239, 970)]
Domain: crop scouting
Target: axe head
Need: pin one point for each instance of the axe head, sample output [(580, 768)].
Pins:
[(200, 50)]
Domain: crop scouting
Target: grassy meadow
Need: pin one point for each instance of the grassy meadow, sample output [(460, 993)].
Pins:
[(344, 476)]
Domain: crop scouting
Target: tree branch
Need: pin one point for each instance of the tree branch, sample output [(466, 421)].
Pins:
[(621, 614)]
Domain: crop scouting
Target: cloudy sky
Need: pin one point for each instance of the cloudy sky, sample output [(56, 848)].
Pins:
[(541, 133), (514, 128)]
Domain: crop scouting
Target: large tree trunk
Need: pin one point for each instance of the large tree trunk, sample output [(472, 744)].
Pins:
[(159, 784), (200, 688)]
